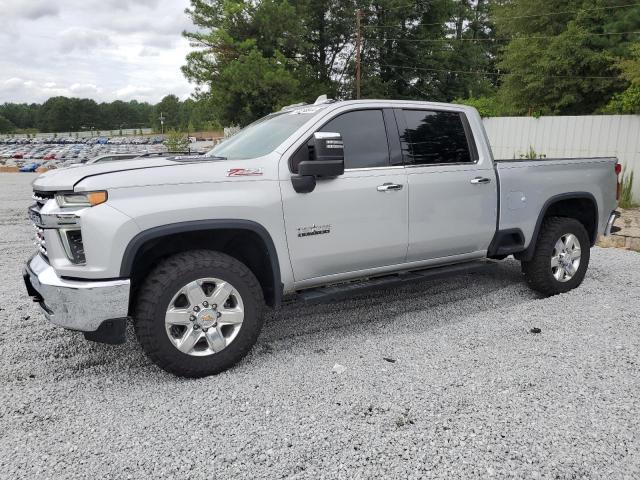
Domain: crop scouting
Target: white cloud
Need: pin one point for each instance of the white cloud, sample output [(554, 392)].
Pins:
[(29, 9), (82, 39), (133, 91), (100, 49), (84, 89)]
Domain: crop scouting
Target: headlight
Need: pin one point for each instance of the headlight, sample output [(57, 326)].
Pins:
[(88, 199)]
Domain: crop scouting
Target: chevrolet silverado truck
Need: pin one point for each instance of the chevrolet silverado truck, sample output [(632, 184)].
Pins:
[(311, 202)]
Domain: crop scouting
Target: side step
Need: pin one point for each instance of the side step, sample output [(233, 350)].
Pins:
[(342, 290)]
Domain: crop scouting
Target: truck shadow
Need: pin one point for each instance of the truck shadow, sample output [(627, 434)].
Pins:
[(421, 306), (376, 308)]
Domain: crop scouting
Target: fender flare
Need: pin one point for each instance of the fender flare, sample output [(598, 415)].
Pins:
[(144, 236), (527, 254)]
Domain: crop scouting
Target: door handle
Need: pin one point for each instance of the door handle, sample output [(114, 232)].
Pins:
[(479, 180), (386, 187)]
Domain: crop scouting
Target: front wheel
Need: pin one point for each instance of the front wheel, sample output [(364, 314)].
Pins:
[(198, 313), (561, 256)]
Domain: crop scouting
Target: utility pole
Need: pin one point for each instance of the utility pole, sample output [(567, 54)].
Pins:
[(161, 123), (358, 47)]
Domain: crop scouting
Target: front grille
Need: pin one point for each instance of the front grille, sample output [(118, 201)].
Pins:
[(42, 197), (40, 242)]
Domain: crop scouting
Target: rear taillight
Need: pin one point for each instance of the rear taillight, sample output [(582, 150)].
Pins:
[(618, 170)]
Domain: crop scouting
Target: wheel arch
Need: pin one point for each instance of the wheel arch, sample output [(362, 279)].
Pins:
[(245, 240), (581, 206)]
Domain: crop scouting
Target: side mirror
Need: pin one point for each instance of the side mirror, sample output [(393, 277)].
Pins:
[(326, 150)]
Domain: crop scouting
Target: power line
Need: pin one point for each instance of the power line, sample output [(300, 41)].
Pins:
[(535, 15), (409, 5), (497, 74), (504, 39)]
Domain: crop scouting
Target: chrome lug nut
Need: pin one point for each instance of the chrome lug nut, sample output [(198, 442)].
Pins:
[(214, 305), (196, 308), (192, 318), (205, 304), (218, 314), (196, 327)]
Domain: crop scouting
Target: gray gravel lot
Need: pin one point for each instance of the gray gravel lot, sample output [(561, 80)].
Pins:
[(472, 393)]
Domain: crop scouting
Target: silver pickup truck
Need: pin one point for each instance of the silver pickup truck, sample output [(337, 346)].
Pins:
[(312, 202)]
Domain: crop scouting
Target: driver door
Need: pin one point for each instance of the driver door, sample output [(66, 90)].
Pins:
[(357, 221)]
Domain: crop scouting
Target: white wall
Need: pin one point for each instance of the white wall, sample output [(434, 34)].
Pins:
[(579, 136)]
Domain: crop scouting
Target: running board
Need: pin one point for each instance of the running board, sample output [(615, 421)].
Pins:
[(342, 290)]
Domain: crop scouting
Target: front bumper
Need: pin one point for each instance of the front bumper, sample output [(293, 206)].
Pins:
[(75, 304)]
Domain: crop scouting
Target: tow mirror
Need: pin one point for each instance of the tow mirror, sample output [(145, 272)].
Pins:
[(326, 150)]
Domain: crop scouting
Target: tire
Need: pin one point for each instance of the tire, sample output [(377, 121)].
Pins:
[(173, 284), (540, 273)]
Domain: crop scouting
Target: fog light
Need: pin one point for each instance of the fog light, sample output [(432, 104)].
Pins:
[(72, 242)]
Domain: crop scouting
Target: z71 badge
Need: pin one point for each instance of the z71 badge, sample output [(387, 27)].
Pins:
[(313, 230), (244, 172)]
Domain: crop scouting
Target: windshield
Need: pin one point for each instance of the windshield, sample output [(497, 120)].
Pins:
[(263, 136)]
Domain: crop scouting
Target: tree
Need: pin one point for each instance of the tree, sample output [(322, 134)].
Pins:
[(628, 101), (563, 61), (5, 125), (169, 107)]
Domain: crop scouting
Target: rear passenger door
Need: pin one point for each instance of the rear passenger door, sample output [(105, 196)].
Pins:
[(452, 191), (357, 221)]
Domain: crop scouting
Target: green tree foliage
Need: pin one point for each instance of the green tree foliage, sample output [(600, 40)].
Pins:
[(629, 100), (176, 142), (5, 125), (253, 57), (560, 56)]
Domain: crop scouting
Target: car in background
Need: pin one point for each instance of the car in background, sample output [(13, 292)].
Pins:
[(29, 167)]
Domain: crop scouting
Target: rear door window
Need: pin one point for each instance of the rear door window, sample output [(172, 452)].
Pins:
[(432, 137)]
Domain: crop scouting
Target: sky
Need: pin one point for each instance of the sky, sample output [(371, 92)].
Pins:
[(101, 49)]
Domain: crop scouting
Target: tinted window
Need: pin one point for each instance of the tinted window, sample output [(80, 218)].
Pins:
[(364, 137), (434, 137)]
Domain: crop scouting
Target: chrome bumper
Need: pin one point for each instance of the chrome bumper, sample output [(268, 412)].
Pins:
[(75, 304), (612, 219)]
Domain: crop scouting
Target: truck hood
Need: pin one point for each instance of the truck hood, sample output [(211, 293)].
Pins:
[(66, 178)]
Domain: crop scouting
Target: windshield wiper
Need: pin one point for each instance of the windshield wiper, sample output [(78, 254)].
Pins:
[(217, 157)]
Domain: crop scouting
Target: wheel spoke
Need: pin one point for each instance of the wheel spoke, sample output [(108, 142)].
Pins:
[(559, 246), (177, 317), (194, 293), (215, 339), (570, 241), (233, 316), (189, 339), (221, 293), (576, 253), (554, 261), (559, 273), (571, 270)]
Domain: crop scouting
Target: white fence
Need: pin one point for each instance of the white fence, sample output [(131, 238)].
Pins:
[(580, 136)]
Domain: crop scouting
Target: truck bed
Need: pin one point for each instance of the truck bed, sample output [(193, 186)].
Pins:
[(527, 187)]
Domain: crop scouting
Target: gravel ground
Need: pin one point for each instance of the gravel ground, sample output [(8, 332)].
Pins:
[(442, 380)]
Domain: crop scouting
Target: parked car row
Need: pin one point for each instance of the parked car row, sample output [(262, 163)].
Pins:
[(66, 140), (57, 156)]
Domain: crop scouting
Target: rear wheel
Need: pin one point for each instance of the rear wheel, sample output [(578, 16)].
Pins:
[(561, 256), (198, 313)]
